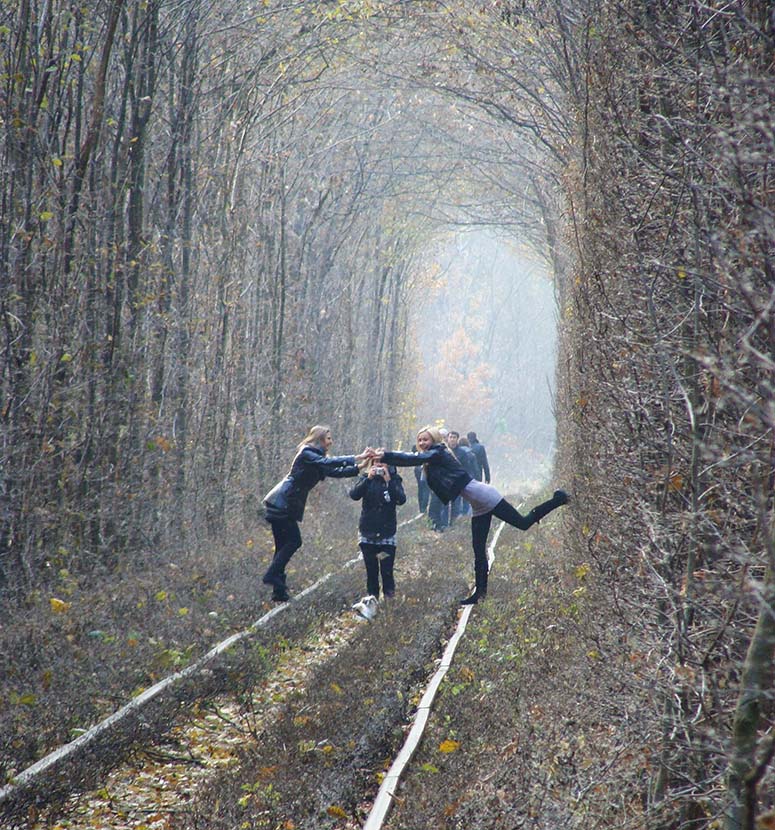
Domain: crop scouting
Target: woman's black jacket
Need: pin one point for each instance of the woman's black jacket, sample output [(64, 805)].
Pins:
[(378, 514), (287, 499), (445, 474)]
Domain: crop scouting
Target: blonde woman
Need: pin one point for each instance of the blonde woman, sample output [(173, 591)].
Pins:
[(448, 479), (284, 504)]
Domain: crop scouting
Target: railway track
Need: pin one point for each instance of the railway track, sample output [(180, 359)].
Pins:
[(314, 740)]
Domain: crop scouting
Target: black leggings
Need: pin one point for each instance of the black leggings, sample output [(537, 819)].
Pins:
[(480, 529), (287, 540)]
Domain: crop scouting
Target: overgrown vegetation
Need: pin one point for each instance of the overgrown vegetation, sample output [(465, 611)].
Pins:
[(529, 721), (668, 382), (64, 666), (327, 748), (202, 204)]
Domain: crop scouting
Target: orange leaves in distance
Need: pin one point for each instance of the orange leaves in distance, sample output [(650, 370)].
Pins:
[(462, 381)]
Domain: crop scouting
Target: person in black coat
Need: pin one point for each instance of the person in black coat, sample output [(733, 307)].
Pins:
[(480, 453), (284, 504), (448, 479), (471, 463), (380, 491), (467, 459)]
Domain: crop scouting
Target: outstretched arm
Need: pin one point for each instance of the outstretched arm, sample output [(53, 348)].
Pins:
[(406, 459), (369, 452), (339, 466), (336, 466)]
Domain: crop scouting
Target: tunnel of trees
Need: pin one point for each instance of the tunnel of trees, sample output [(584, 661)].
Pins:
[(216, 228)]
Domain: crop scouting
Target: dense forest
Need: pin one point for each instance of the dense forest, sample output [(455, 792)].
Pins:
[(220, 223)]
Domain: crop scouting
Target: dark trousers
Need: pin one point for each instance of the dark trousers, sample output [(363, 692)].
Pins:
[(423, 495), (438, 513), (287, 540), (457, 507), (379, 560)]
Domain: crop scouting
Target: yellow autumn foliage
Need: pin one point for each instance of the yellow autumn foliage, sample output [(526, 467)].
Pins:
[(59, 606)]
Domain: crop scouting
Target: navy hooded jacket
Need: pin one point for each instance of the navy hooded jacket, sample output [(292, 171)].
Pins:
[(380, 499)]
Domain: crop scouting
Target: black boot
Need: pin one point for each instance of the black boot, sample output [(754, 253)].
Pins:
[(481, 572), (277, 581), (559, 498)]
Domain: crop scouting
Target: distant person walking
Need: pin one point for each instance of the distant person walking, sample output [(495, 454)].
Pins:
[(285, 503), (423, 491), (481, 457), (471, 464), (447, 479), (438, 512), (380, 491), (467, 459)]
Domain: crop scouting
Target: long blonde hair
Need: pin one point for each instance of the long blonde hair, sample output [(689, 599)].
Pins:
[(435, 434), (315, 436), (365, 465), (438, 438)]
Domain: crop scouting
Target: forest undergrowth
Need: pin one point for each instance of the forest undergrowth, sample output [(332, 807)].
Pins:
[(532, 725), (517, 679), (72, 656)]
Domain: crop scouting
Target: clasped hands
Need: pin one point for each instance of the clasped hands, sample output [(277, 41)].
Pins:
[(376, 469), (371, 453)]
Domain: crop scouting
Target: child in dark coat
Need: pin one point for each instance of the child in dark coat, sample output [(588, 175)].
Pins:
[(380, 491)]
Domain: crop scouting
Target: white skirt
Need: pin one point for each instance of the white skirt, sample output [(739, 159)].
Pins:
[(482, 497)]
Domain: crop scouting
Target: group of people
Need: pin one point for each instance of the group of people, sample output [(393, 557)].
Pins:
[(380, 490), (472, 455)]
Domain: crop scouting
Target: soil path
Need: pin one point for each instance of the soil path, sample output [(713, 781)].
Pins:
[(297, 728), (304, 742)]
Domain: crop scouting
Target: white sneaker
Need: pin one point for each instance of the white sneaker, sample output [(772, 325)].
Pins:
[(367, 607)]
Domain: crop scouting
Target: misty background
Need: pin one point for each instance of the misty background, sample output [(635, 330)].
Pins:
[(484, 318)]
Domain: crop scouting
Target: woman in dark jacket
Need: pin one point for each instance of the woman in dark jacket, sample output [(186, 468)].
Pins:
[(285, 503), (447, 478), (380, 490)]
